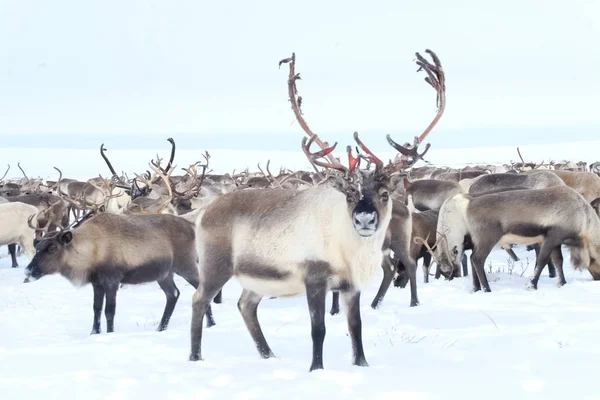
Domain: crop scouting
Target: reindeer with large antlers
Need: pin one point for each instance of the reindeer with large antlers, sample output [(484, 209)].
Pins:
[(286, 242)]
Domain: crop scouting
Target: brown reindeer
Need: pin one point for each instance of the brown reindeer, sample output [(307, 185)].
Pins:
[(108, 249)]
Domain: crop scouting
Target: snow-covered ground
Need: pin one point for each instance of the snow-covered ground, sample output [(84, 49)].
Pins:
[(511, 343)]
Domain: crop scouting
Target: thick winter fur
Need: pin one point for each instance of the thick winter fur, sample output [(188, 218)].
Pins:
[(535, 179), (15, 229), (429, 194), (552, 217), (281, 242), (586, 184), (109, 249)]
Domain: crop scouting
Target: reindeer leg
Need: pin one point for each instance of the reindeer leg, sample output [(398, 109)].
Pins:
[(478, 256), (426, 267), (248, 306), (512, 254), (217, 271), (316, 293), (168, 286), (552, 268), (411, 270), (542, 258), (111, 305), (219, 297), (556, 258), (388, 275), (98, 301), (465, 267), (352, 306), (12, 250), (335, 303)]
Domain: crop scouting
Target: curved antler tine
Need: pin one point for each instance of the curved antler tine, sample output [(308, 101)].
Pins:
[(170, 140), (29, 221), (110, 167), (371, 157), (313, 157), (353, 162), (407, 151)]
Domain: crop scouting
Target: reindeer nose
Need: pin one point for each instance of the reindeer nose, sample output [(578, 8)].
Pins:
[(365, 221)]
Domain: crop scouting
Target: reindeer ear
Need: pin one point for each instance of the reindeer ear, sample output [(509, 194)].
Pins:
[(66, 237)]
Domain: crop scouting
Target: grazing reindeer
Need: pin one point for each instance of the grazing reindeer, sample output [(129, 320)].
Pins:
[(286, 242), (108, 249), (550, 216)]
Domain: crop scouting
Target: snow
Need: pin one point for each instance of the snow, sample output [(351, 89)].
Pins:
[(511, 343)]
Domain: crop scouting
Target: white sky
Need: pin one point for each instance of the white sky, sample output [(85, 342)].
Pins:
[(167, 67)]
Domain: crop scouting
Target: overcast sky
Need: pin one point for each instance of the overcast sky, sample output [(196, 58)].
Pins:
[(182, 67)]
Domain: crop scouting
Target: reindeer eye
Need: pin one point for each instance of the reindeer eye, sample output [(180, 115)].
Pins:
[(52, 248), (385, 196)]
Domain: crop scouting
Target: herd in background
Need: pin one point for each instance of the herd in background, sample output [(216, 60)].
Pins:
[(300, 232)]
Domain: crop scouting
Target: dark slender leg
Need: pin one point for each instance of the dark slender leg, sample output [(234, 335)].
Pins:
[(465, 267), (12, 250), (335, 303), (478, 257), (426, 266), (98, 301), (512, 254), (542, 258), (438, 272), (411, 270), (111, 305), (388, 275), (551, 267), (248, 306), (556, 258), (316, 292), (219, 297), (172, 293), (352, 303)]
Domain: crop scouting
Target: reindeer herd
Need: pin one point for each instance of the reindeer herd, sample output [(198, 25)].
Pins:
[(300, 233)]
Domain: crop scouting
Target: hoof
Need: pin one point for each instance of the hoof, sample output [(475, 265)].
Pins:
[(552, 275), (531, 286), (210, 323), (334, 311), (315, 367), (361, 362), (195, 357), (414, 303)]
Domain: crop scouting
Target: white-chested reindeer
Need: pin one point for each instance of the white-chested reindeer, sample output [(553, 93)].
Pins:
[(288, 242), (551, 217)]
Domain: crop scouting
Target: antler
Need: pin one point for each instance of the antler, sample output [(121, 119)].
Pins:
[(297, 103), (24, 174), (372, 158), (170, 140), (7, 169), (116, 179), (164, 175), (314, 157), (436, 78)]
